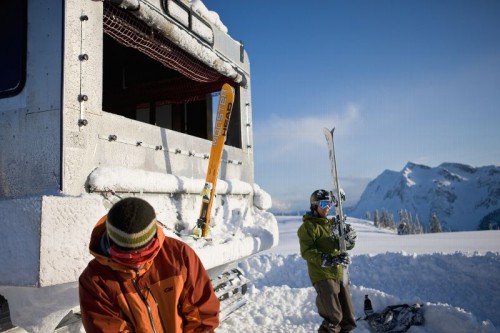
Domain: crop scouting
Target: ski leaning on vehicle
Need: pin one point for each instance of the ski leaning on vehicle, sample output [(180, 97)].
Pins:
[(337, 197), (224, 109)]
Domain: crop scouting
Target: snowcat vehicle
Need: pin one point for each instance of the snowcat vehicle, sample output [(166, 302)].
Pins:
[(102, 100)]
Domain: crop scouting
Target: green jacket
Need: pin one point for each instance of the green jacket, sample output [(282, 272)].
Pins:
[(317, 236)]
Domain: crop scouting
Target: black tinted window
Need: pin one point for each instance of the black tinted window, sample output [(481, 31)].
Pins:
[(13, 30)]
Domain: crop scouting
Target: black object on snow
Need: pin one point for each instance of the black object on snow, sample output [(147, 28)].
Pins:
[(368, 306), (395, 318)]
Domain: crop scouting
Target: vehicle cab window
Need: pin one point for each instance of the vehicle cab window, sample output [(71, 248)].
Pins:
[(13, 31)]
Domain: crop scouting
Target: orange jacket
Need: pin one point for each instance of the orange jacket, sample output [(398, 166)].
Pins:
[(176, 287)]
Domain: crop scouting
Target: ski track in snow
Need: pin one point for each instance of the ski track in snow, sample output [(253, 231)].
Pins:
[(459, 290)]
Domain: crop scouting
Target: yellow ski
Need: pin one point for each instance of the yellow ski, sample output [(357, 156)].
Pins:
[(226, 100)]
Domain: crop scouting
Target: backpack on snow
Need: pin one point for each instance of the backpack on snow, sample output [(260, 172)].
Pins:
[(396, 318)]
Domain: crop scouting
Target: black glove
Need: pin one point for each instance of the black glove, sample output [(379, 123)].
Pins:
[(327, 260), (350, 235)]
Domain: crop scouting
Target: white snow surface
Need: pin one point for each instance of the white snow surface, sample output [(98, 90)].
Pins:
[(121, 179), (199, 7), (455, 276)]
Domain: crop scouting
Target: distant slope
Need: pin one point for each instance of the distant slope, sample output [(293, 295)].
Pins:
[(459, 194)]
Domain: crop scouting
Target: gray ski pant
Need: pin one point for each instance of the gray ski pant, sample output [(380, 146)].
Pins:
[(335, 306)]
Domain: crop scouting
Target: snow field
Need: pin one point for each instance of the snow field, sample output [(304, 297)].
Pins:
[(458, 288)]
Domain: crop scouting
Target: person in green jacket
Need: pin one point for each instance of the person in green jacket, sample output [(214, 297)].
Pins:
[(319, 246)]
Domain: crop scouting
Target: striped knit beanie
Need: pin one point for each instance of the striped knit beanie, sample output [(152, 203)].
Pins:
[(131, 223)]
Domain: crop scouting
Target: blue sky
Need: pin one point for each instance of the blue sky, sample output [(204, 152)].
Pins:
[(413, 80)]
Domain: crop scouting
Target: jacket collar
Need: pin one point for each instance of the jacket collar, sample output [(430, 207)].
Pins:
[(104, 259), (309, 216)]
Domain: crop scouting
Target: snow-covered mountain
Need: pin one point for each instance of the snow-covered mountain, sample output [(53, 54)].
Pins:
[(462, 196)]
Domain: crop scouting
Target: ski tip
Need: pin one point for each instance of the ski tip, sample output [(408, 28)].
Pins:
[(228, 87), (327, 130)]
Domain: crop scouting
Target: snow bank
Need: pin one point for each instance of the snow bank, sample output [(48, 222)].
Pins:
[(458, 288), (465, 281), (278, 279), (237, 239), (261, 199), (39, 310), (120, 179)]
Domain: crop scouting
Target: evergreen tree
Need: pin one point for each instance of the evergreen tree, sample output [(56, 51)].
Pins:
[(435, 224), (417, 226), (384, 219), (368, 216), (376, 220), (491, 221), (391, 223), (411, 224), (387, 220), (404, 223)]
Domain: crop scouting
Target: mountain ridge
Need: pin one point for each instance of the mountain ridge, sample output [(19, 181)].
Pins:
[(461, 195)]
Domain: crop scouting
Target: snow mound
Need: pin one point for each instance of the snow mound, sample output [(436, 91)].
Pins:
[(456, 284), (278, 279), (261, 199)]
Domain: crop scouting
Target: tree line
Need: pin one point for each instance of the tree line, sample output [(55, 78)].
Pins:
[(407, 225)]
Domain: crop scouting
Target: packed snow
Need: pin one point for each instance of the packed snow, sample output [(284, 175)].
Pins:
[(455, 276), (199, 7)]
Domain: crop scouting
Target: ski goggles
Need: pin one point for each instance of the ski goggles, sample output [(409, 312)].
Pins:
[(324, 204)]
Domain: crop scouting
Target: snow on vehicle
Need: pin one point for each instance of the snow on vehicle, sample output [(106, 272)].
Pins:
[(101, 100)]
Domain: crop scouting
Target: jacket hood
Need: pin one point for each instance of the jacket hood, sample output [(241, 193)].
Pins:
[(313, 218), (126, 271)]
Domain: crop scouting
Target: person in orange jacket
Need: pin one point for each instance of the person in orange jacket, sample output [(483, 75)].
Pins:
[(141, 280)]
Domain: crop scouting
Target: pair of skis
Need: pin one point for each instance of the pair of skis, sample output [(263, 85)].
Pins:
[(338, 205), (224, 109)]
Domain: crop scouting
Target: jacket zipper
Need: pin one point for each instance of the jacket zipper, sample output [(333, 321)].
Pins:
[(145, 300)]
